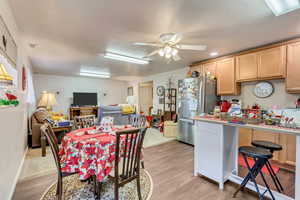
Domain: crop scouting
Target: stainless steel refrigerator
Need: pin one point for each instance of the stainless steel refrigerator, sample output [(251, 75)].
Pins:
[(195, 96)]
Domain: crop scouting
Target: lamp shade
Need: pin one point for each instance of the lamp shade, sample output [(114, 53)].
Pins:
[(47, 100), (4, 76)]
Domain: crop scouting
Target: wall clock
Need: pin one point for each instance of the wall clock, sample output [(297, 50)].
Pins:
[(263, 89), (160, 90)]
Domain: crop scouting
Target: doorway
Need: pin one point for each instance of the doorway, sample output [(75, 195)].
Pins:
[(146, 97)]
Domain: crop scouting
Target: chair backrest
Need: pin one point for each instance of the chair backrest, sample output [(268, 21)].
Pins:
[(47, 130), (129, 146), (85, 121), (138, 120)]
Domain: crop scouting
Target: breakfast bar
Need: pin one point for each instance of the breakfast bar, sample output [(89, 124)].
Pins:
[(216, 152)]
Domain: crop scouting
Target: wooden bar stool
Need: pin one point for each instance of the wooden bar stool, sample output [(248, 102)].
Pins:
[(271, 147), (260, 156)]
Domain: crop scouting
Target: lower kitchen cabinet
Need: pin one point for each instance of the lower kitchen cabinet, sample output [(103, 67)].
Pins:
[(288, 142), (268, 136), (288, 154)]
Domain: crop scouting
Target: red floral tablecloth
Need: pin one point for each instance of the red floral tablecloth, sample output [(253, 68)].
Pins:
[(88, 152)]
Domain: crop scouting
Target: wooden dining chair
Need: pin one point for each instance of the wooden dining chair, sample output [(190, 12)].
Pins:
[(85, 121), (138, 120), (129, 145), (46, 130)]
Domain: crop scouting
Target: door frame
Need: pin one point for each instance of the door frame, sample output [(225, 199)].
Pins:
[(145, 84)]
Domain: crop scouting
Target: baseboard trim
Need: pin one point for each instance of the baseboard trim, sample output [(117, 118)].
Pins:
[(18, 175)]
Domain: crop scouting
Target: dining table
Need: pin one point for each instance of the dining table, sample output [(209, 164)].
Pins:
[(90, 152)]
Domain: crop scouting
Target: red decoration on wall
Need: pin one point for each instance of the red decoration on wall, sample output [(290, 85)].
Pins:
[(24, 78)]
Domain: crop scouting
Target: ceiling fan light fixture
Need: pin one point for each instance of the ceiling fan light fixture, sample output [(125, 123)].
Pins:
[(174, 52), (168, 49), (168, 55), (161, 52)]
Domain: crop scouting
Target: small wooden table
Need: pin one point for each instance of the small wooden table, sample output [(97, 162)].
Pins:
[(56, 129)]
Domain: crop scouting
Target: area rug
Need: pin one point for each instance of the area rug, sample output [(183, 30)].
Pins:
[(74, 189)]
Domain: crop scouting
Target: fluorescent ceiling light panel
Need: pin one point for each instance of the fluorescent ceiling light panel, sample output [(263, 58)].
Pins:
[(126, 58), (97, 75), (280, 7)]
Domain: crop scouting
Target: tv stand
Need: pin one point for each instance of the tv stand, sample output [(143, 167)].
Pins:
[(83, 110)]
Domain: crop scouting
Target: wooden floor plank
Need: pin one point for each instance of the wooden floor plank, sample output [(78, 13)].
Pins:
[(171, 168)]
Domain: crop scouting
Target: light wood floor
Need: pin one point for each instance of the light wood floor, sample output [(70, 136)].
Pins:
[(171, 167)]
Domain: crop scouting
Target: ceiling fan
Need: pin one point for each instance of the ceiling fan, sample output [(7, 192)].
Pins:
[(169, 46)]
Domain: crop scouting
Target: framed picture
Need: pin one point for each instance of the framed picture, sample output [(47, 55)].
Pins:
[(130, 91), (24, 78)]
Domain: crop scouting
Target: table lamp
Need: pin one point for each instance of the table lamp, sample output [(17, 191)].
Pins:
[(47, 100), (5, 78)]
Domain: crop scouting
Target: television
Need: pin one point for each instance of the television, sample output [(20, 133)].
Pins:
[(85, 99)]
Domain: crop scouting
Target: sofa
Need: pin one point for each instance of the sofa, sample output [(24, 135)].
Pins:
[(36, 121), (116, 112)]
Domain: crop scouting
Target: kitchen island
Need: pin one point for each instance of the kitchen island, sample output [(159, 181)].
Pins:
[(216, 151)]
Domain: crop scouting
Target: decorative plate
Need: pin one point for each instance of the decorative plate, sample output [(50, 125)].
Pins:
[(263, 89), (160, 90)]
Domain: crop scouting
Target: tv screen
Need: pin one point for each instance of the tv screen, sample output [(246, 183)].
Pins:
[(85, 99)]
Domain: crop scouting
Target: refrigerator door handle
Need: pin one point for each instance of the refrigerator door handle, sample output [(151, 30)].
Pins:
[(187, 120)]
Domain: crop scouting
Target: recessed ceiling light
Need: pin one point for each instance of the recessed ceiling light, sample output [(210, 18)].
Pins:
[(214, 53), (280, 7), (126, 58)]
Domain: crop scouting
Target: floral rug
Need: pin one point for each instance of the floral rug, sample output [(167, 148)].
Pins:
[(74, 189)]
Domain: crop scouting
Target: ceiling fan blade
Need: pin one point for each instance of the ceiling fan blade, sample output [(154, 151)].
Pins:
[(192, 47), (147, 44), (176, 38), (176, 57), (152, 53)]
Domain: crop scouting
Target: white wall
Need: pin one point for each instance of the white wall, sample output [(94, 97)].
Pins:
[(13, 121), (280, 98), (158, 80), (116, 90)]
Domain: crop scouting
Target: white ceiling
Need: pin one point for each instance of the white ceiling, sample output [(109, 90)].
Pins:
[(70, 33)]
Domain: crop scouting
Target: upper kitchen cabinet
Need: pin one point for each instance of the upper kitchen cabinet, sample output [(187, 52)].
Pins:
[(272, 63), (246, 67), (293, 68), (226, 84), (210, 68)]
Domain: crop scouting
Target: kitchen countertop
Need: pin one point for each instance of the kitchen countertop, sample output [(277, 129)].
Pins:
[(252, 126)]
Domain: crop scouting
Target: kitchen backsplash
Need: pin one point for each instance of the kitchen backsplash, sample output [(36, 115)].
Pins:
[(280, 98)]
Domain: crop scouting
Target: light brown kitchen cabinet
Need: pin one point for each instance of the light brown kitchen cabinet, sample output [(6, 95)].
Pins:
[(246, 67), (245, 136), (210, 68), (288, 153), (267, 136), (288, 142), (272, 63), (293, 68), (226, 84)]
